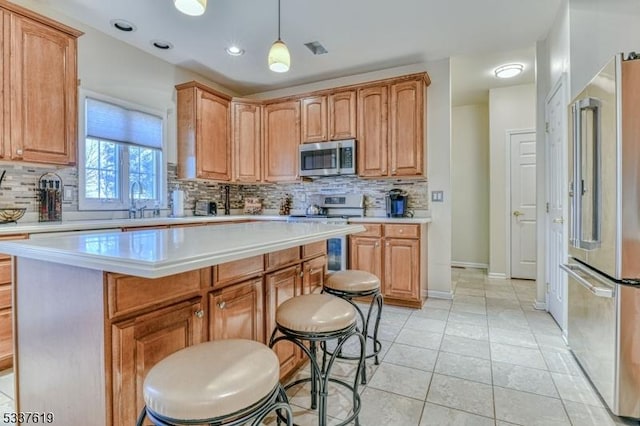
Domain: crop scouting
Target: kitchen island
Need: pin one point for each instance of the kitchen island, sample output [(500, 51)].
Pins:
[(93, 312)]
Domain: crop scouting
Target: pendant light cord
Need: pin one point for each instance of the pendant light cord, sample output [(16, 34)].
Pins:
[(278, 19)]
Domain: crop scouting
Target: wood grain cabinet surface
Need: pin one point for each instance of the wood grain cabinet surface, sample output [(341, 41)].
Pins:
[(204, 133), (342, 115), (237, 312), (39, 79), (281, 139), (247, 141), (314, 119)]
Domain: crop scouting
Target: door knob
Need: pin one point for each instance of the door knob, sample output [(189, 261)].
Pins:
[(558, 220), (518, 213)]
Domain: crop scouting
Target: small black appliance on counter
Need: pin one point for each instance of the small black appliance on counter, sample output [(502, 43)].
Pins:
[(205, 208), (396, 202)]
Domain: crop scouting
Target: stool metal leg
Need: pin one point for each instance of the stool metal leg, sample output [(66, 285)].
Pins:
[(315, 377), (377, 346)]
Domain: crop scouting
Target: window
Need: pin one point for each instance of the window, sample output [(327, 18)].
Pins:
[(120, 156)]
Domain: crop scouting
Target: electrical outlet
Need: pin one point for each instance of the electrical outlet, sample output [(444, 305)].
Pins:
[(437, 196), (68, 193)]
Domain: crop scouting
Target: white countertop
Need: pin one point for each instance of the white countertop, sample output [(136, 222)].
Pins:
[(368, 219), (162, 252)]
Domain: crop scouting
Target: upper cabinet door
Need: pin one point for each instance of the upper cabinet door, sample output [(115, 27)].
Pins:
[(281, 140), (44, 100), (4, 91), (372, 131), (342, 115), (213, 151), (407, 128), (247, 142), (314, 119)]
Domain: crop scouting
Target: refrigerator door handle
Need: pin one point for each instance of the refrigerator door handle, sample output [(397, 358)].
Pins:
[(600, 291)]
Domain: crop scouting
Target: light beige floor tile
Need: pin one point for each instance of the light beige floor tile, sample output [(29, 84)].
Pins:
[(576, 389), (528, 409), (439, 314), (302, 417), (401, 380), (468, 318), (468, 307), (421, 339), (461, 394), (389, 409), (464, 367), (437, 415), (469, 300), (411, 356), (561, 362), (469, 291), (6, 383), (433, 303), (505, 324), (551, 343), (588, 415), (464, 346), (523, 379), (4, 399), (7, 408), (477, 332), (339, 401), (517, 355), (418, 323), (511, 337)]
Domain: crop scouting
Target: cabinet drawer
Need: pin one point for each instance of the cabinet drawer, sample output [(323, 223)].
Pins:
[(9, 238), (238, 270), (126, 294), (5, 296), (402, 231), (5, 271), (283, 257), (314, 249), (373, 230)]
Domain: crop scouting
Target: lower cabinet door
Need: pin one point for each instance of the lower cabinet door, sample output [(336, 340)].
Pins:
[(6, 339), (402, 269), (237, 312), (141, 342), (365, 254), (280, 286), (313, 275)]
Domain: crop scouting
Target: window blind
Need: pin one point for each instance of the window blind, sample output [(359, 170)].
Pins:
[(118, 124)]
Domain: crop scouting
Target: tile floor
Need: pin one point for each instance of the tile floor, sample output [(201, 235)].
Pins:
[(485, 358)]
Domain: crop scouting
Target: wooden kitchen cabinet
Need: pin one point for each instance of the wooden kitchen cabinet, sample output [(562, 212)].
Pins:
[(313, 275), (141, 342), (391, 128), (237, 312), (247, 141), (314, 119), (281, 139), (342, 115), (39, 81), (402, 268), (365, 253), (279, 287), (6, 304), (204, 134)]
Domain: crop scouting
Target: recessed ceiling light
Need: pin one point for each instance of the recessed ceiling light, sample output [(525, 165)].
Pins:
[(508, 70), (122, 25), (234, 51), (161, 44), (191, 7)]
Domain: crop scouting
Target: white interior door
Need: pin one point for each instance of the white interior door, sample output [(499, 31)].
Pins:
[(523, 204), (556, 118)]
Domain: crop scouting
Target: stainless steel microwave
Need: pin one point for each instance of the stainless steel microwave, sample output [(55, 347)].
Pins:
[(328, 158)]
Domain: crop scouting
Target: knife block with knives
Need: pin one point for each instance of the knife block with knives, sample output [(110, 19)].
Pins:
[(50, 198)]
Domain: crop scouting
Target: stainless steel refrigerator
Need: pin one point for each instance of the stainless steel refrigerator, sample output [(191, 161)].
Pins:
[(604, 234)]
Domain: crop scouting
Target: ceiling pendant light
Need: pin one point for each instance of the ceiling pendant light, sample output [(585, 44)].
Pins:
[(279, 58), (191, 7)]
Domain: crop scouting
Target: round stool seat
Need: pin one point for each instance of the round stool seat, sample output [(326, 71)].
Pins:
[(212, 379), (315, 313), (352, 280)]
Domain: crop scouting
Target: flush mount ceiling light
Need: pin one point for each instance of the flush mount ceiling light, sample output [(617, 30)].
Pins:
[(191, 7), (234, 51), (279, 58), (122, 25), (508, 70)]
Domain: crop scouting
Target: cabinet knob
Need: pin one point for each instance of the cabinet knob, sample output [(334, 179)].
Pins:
[(222, 305), (401, 230), (387, 244), (377, 245), (301, 273), (199, 313), (18, 151)]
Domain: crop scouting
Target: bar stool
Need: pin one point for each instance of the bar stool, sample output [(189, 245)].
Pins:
[(224, 382), (352, 283), (320, 318)]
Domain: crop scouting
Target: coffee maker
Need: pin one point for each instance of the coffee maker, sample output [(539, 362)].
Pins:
[(396, 202)]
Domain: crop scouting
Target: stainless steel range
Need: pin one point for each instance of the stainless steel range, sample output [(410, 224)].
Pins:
[(333, 209)]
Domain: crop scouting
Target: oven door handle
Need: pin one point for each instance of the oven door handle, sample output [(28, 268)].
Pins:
[(600, 291)]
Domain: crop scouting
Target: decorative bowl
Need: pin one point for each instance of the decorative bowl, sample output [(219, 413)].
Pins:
[(8, 215)]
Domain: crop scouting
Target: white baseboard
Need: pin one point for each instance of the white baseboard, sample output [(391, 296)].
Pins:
[(497, 275), (469, 265), (440, 294), (540, 306)]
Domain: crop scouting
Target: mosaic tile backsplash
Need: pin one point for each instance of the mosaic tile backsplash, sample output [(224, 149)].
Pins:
[(18, 189)]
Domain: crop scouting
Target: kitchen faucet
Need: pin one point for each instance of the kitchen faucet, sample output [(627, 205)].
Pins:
[(132, 202)]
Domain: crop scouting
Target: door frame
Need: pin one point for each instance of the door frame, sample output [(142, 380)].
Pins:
[(509, 134), (561, 85)]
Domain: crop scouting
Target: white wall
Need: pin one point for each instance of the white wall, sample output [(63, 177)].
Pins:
[(114, 68), (438, 156), (470, 185), (510, 108)]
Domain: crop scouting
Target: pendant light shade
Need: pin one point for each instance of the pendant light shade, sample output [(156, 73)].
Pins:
[(279, 58), (191, 7)]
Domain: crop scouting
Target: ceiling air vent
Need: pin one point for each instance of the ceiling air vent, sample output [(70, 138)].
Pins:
[(316, 48)]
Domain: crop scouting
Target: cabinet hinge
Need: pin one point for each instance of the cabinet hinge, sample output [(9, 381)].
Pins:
[(547, 207), (546, 126), (548, 288)]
